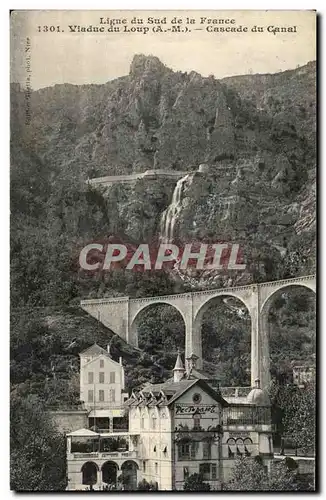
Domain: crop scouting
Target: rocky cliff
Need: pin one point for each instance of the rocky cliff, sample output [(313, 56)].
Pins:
[(254, 133)]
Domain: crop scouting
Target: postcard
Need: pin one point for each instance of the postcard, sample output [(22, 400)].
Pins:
[(163, 250)]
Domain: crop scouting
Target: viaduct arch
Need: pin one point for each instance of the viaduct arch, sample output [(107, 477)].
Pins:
[(120, 315), (133, 330)]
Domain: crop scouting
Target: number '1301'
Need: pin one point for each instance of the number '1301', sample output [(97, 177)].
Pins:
[(50, 29)]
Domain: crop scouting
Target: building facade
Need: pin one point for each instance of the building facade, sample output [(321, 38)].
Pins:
[(180, 427), (303, 374), (102, 389), (187, 427)]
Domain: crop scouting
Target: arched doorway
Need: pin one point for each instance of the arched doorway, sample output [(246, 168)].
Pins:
[(109, 473), (89, 473), (160, 331), (223, 332), (129, 475)]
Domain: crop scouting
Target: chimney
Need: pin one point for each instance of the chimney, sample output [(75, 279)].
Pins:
[(120, 361), (108, 348), (178, 370)]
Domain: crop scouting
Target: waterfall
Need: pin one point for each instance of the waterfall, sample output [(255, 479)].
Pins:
[(170, 215)]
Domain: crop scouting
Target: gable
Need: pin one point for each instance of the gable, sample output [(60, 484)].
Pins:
[(204, 390), (199, 408), (196, 396), (109, 363), (93, 350)]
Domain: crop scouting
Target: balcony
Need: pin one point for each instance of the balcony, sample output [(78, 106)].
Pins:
[(247, 416), (122, 455)]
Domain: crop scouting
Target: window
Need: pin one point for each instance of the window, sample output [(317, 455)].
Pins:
[(101, 363), (239, 447), (231, 447), (154, 422), (248, 446), (156, 468), (101, 395), (205, 471), (142, 421), (101, 377), (112, 396), (144, 466), (112, 377), (185, 473), (213, 469), (208, 471), (90, 396), (206, 450), (196, 418), (196, 398), (90, 377), (184, 451)]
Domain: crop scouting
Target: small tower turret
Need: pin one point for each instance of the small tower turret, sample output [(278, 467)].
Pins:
[(178, 370)]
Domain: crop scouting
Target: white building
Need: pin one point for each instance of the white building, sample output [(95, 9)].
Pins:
[(102, 389), (303, 374)]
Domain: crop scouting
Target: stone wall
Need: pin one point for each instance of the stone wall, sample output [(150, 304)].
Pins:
[(70, 420)]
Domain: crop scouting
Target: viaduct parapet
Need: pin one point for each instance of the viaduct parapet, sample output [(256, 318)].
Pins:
[(128, 179)]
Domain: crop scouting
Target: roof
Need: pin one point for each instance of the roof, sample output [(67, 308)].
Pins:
[(94, 350), (258, 397), (174, 389), (170, 391), (83, 433)]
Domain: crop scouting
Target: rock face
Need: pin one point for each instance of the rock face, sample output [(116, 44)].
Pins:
[(253, 133)]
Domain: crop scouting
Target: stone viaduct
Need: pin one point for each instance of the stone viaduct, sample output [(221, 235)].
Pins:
[(122, 314)]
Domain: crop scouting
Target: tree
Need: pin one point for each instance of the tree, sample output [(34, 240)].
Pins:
[(195, 482), (38, 453), (251, 475), (300, 418), (146, 486)]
